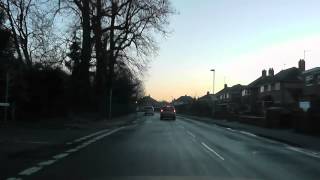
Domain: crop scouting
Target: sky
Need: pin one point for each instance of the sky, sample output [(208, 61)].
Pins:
[(237, 38)]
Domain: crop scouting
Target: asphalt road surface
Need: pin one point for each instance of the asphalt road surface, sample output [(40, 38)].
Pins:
[(181, 149)]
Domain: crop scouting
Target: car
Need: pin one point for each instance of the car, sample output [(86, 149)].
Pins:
[(168, 112), (148, 110)]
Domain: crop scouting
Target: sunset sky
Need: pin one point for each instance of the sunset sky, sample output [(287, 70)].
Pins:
[(238, 38)]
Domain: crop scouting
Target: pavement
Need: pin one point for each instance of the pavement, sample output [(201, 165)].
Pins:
[(288, 136), (149, 148)]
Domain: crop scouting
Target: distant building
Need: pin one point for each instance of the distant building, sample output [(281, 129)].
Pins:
[(148, 101), (229, 98), (208, 98), (282, 89), (182, 100)]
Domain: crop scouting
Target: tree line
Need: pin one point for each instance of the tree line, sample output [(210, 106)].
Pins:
[(78, 55)]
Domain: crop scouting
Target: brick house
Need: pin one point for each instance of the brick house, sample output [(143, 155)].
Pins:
[(311, 86), (229, 99), (280, 90)]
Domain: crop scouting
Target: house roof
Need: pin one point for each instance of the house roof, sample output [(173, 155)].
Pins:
[(312, 71), (184, 99), (235, 88), (287, 75), (207, 97)]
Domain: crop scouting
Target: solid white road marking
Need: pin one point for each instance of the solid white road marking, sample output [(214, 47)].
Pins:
[(13, 178), (191, 134), (231, 129), (60, 156), (248, 133), (46, 163), (213, 151), (30, 171), (303, 151)]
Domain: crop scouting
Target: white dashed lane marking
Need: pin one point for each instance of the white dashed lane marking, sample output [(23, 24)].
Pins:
[(32, 170), (60, 156), (211, 150), (191, 134), (29, 171), (47, 163)]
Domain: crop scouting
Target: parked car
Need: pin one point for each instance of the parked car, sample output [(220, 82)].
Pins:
[(168, 112), (148, 110)]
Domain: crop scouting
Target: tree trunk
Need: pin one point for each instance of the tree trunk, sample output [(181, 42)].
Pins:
[(86, 50), (101, 71), (112, 59)]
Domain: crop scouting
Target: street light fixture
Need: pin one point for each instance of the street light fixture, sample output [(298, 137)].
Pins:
[(213, 71)]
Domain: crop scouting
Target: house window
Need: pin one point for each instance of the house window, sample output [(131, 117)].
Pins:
[(228, 96), (243, 92), (272, 87), (277, 86), (309, 80), (269, 87), (318, 78), (262, 89)]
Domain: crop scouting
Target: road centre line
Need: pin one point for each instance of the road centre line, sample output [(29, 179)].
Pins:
[(60, 156), (211, 150), (191, 134), (29, 171), (91, 135), (46, 163)]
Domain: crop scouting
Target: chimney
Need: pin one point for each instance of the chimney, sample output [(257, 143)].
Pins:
[(302, 65), (225, 85), (271, 72), (264, 73)]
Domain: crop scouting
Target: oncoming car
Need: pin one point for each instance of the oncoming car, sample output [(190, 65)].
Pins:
[(148, 110), (168, 112)]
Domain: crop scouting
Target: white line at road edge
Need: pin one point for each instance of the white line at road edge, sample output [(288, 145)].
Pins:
[(32, 170), (191, 134), (303, 151), (210, 149), (248, 133)]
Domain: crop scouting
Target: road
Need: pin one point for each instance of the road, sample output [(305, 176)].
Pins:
[(181, 149)]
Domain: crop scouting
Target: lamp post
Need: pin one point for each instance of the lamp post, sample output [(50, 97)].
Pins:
[(213, 71)]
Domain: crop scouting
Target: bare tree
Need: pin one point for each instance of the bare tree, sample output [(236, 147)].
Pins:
[(132, 24), (31, 23)]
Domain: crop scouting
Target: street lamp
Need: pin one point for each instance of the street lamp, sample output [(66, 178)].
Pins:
[(213, 71)]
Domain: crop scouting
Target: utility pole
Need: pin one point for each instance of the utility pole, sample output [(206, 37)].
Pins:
[(213, 72)]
